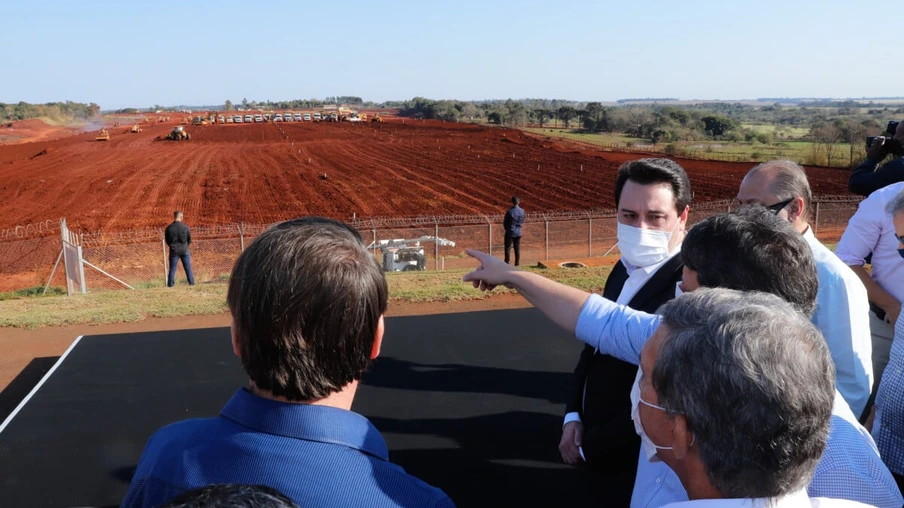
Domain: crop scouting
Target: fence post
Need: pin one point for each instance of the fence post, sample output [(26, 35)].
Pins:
[(589, 237), (546, 221), (489, 236), (373, 225), (242, 235), (165, 258), (81, 270), (435, 244), (816, 221)]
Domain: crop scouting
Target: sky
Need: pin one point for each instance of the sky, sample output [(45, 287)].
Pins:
[(139, 54)]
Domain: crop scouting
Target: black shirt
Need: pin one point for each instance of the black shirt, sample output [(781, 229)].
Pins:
[(178, 237)]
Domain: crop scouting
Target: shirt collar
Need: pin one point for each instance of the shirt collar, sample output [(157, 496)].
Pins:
[(797, 499), (305, 421)]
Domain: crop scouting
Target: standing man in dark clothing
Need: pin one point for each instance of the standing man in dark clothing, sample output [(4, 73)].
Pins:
[(866, 179), (178, 238), (652, 197), (514, 219)]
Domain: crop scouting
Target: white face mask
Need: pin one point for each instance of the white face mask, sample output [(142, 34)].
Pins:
[(643, 247), (648, 446)]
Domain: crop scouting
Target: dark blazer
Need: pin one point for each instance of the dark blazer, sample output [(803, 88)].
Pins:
[(610, 443), (178, 237), (512, 222)]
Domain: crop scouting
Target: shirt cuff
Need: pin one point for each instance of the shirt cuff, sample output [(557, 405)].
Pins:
[(573, 416)]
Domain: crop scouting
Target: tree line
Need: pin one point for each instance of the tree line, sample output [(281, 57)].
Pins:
[(56, 110)]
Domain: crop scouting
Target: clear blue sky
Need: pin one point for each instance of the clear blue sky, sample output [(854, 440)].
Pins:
[(122, 54)]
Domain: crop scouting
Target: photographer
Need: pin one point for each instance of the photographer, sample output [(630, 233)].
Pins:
[(866, 178)]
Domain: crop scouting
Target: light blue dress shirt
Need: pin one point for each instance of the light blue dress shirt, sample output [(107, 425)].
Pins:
[(849, 469)]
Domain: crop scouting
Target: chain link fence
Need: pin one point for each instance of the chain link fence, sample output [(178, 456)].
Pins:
[(139, 259)]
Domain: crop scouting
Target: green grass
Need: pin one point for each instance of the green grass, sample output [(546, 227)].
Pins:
[(730, 151), (791, 132), (121, 306)]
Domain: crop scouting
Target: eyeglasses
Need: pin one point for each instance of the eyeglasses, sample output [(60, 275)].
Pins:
[(776, 208)]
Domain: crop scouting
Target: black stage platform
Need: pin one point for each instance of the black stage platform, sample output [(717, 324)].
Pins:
[(471, 403)]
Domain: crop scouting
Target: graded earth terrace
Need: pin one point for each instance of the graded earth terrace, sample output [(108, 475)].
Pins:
[(265, 172)]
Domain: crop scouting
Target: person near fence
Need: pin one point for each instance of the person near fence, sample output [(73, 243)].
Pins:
[(871, 232), (652, 197), (888, 426), (866, 179), (511, 223), (842, 307), (749, 250), (307, 301), (178, 238)]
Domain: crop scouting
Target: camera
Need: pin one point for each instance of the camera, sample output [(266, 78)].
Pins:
[(889, 132)]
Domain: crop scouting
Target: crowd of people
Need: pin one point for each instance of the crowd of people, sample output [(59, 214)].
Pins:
[(737, 362)]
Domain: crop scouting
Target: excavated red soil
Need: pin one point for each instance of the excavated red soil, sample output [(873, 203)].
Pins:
[(259, 173)]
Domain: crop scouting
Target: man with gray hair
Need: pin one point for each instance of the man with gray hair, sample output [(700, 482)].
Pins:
[(842, 306), (773, 257), (888, 427), (737, 388)]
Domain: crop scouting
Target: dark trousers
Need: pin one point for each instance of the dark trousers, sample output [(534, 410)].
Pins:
[(513, 241), (174, 263)]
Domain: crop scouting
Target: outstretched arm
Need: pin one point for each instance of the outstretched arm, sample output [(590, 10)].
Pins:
[(562, 304), (611, 328)]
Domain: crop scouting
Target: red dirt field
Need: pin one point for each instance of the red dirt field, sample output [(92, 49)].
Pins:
[(259, 173)]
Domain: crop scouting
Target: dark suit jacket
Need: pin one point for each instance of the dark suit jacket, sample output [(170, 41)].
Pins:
[(610, 443)]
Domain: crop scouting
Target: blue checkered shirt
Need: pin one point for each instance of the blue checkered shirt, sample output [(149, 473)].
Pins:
[(888, 428), (850, 467)]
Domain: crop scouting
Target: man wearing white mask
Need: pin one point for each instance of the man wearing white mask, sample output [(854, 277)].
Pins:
[(652, 198)]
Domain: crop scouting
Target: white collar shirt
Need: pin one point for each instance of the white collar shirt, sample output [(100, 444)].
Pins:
[(871, 230), (797, 499)]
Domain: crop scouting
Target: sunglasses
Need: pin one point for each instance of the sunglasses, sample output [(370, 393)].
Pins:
[(778, 206)]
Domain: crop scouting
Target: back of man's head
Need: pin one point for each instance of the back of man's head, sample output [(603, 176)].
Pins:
[(230, 495), (177, 215), (654, 171), (753, 250), (755, 381), (788, 180), (306, 298), (516, 200)]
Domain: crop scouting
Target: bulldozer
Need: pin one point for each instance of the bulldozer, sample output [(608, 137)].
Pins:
[(178, 134), (103, 135), (402, 255), (377, 118), (135, 129)]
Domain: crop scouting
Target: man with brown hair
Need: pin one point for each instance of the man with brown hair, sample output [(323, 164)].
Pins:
[(307, 301)]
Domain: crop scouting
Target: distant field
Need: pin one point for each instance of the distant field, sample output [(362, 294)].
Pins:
[(803, 152)]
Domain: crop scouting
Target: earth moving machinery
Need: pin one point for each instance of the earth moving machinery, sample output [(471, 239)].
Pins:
[(377, 118), (179, 134), (135, 128), (103, 135), (402, 255)]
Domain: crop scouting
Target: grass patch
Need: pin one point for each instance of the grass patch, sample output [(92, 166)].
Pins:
[(33, 292), (123, 306)]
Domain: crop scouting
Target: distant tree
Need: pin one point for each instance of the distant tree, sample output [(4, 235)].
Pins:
[(494, 117), (542, 115), (228, 106), (717, 125), (244, 103), (566, 113)]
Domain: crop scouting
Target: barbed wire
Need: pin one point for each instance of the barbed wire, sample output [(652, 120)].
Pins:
[(44, 228)]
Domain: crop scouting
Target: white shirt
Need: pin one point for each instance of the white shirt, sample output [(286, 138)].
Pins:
[(797, 499), (637, 277), (871, 230), (842, 315)]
